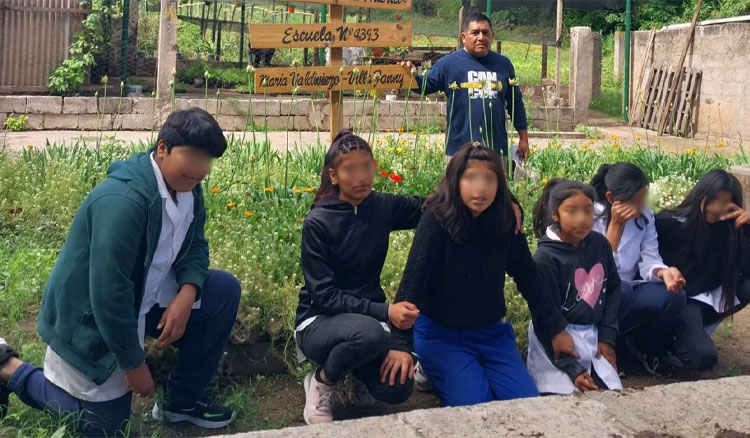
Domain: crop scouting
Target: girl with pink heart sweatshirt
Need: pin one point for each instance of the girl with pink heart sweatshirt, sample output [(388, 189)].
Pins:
[(580, 277)]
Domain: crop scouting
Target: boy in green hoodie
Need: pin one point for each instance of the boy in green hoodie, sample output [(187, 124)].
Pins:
[(134, 264)]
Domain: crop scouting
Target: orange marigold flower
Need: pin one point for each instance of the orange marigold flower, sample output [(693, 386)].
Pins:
[(214, 190)]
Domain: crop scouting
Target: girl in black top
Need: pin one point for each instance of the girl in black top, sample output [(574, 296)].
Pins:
[(579, 273), (342, 313), (706, 238), (455, 275)]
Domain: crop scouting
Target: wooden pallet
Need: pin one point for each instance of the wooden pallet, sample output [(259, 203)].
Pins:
[(680, 118)]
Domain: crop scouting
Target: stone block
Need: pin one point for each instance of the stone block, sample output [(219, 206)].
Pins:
[(61, 121), (13, 104), (79, 105), (44, 105)]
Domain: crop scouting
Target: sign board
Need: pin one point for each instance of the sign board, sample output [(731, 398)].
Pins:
[(396, 5), (311, 79), (264, 36)]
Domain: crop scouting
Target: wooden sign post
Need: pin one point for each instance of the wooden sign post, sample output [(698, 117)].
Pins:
[(335, 35)]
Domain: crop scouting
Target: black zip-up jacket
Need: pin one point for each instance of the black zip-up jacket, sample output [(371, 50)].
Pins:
[(708, 275), (462, 285), (583, 283), (343, 252)]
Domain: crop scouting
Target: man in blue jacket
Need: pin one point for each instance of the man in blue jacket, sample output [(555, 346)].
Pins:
[(481, 86), (135, 263)]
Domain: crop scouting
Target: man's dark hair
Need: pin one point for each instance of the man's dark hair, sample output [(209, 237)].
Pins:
[(193, 127), (475, 16)]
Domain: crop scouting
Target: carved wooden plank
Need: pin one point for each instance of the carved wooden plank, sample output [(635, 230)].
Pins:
[(265, 36), (379, 77)]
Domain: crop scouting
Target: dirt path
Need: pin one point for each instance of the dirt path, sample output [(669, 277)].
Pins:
[(276, 402)]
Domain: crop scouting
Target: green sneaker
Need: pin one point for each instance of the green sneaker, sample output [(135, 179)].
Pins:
[(200, 414)]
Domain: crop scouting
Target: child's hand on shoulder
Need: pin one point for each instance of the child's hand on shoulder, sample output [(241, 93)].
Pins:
[(584, 382), (608, 352)]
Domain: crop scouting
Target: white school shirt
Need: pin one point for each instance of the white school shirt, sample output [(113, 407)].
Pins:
[(638, 251), (161, 288), (550, 379)]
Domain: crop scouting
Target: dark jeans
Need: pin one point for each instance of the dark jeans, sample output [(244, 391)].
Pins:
[(648, 313), (693, 344), (94, 419), (352, 343), (201, 347)]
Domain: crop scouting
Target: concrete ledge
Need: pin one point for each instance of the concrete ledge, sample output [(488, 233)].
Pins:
[(44, 105), (709, 408), (139, 113), (13, 104)]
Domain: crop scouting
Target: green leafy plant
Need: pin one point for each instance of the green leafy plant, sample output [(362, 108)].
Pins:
[(91, 41), (16, 123)]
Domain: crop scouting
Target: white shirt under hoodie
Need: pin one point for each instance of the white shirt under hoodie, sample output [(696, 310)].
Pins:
[(638, 251), (161, 288)]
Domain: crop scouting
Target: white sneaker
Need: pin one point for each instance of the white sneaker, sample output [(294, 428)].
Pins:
[(359, 395), (420, 379), (318, 401)]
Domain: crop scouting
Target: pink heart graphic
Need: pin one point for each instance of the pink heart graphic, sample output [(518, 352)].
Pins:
[(589, 284)]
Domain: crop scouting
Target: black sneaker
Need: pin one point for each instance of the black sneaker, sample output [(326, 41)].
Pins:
[(5, 353), (200, 414)]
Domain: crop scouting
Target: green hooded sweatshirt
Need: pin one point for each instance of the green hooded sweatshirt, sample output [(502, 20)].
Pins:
[(91, 304)]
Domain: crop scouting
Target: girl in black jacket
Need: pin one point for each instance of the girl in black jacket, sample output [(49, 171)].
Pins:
[(706, 238), (580, 276), (464, 245), (342, 315)]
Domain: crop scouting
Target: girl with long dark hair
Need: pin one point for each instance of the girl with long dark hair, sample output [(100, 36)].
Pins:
[(652, 292), (455, 274), (343, 319), (706, 237)]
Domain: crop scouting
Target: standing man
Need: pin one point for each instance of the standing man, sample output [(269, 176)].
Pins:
[(477, 82)]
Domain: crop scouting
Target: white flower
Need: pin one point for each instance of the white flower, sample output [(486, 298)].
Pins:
[(249, 68)]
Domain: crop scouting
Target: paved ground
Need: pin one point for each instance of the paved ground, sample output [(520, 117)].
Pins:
[(715, 408), (16, 141)]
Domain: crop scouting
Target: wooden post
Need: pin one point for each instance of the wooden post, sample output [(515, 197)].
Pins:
[(461, 13), (499, 46), (216, 17), (316, 52), (218, 40), (167, 54), (242, 34), (335, 15), (678, 70), (558, 45), (544, 61), (203, 20), (304, 51)]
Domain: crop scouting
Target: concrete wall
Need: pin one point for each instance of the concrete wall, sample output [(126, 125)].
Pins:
[(143, 113), (722, 52), (585, 70)]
